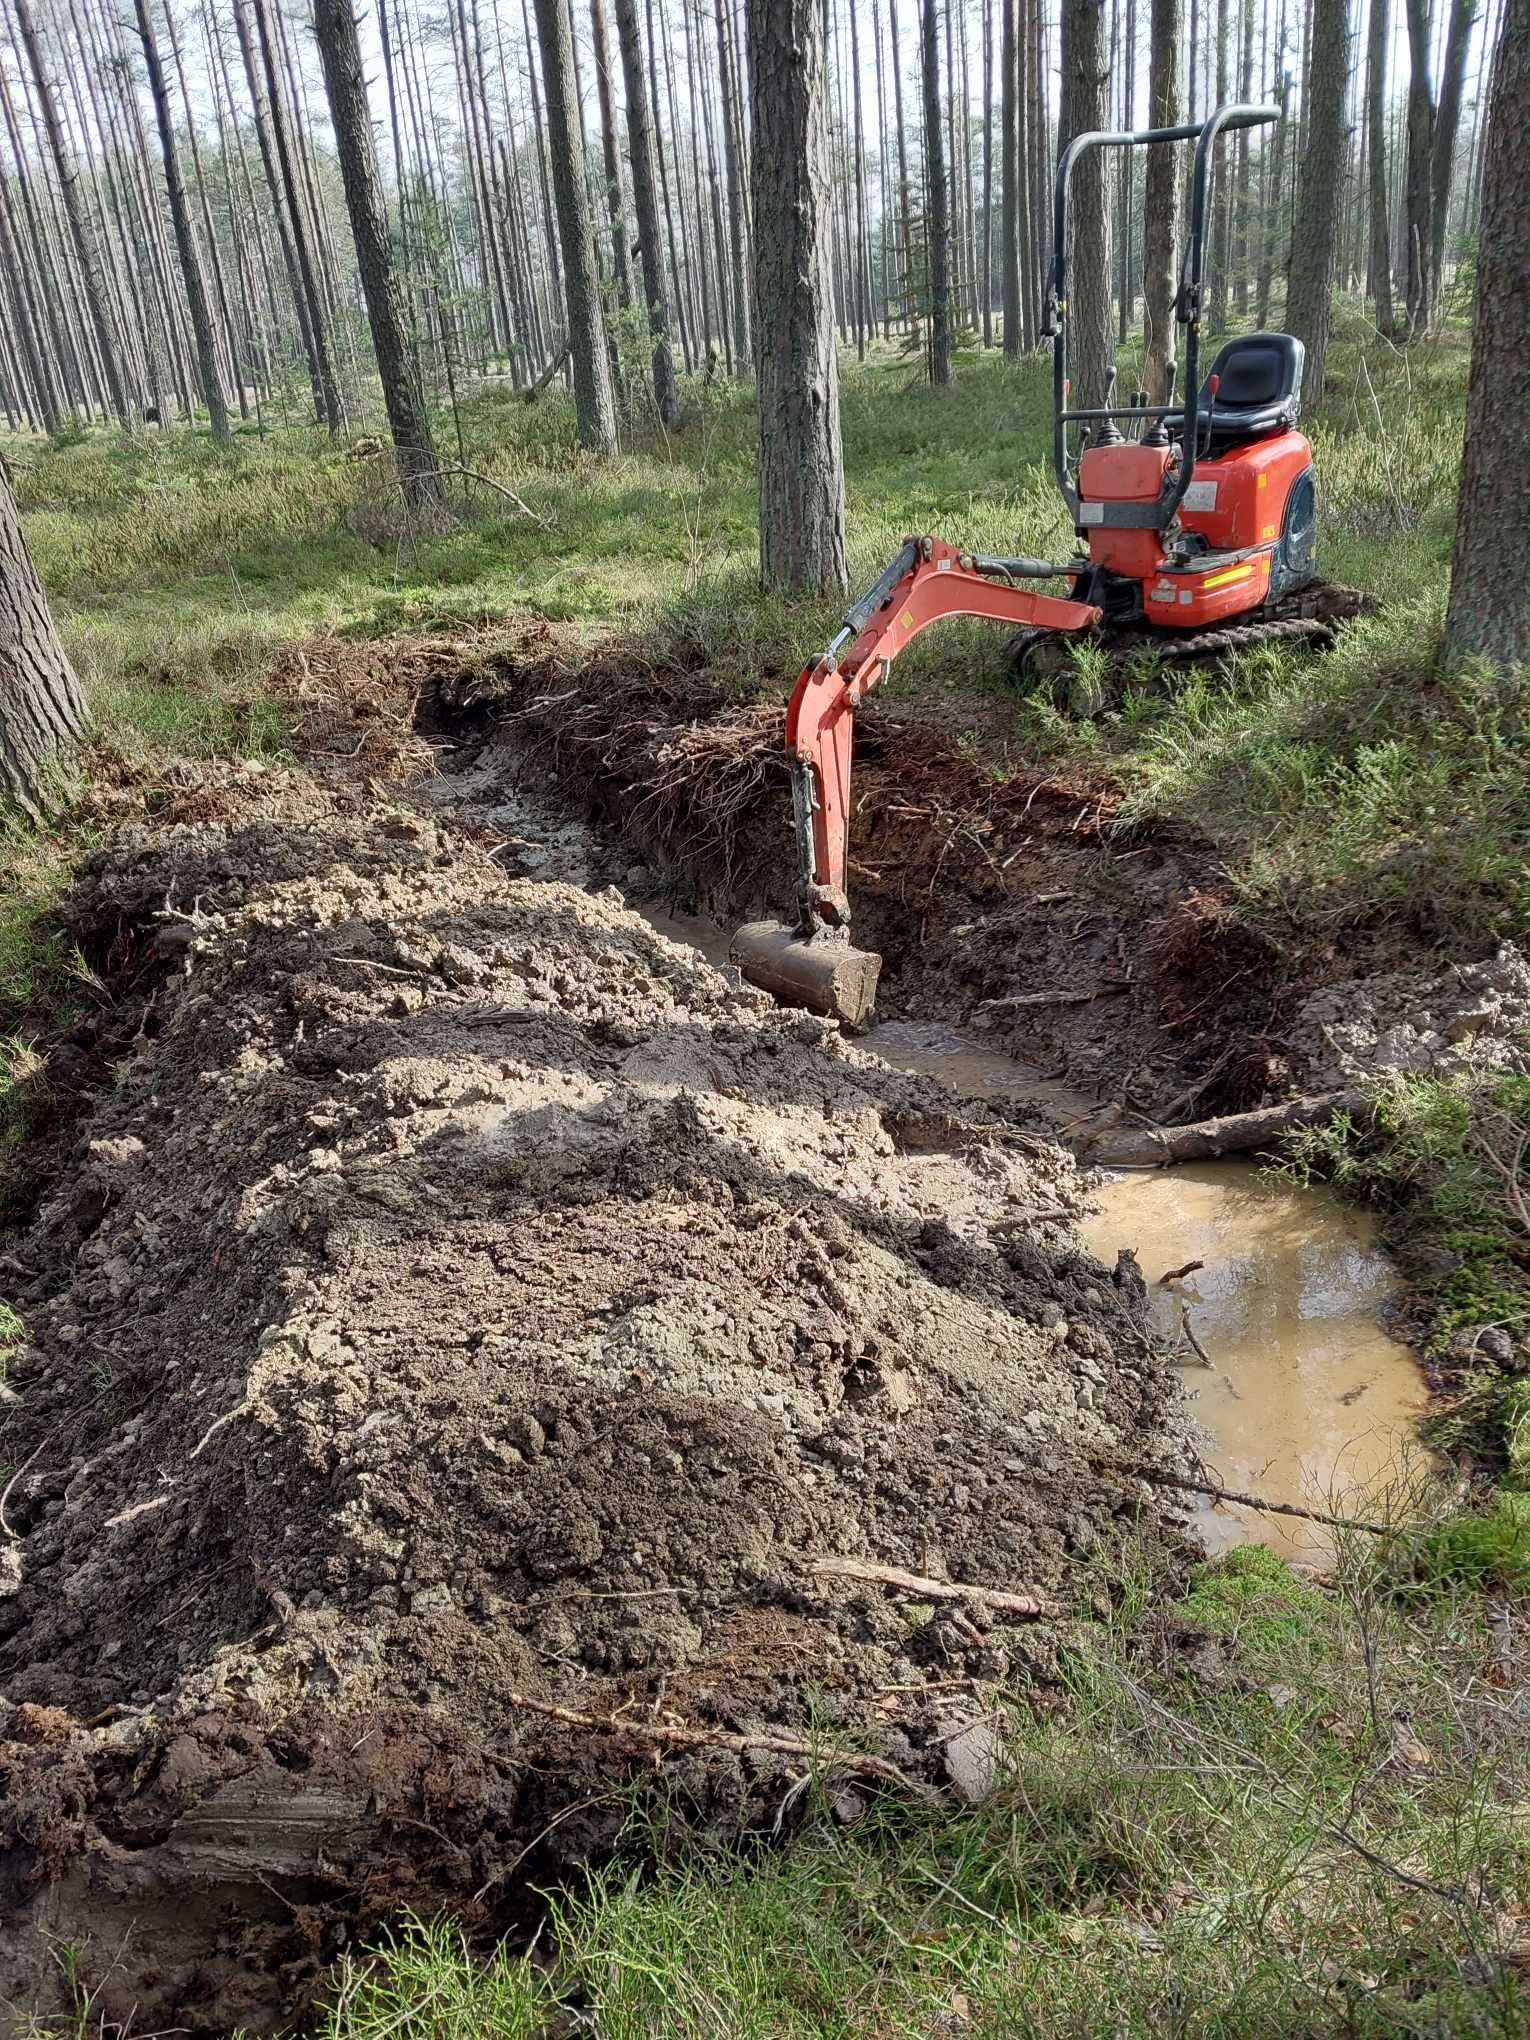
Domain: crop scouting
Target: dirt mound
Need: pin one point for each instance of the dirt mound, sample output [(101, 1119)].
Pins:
[(466, 1298), (1472, 1016)]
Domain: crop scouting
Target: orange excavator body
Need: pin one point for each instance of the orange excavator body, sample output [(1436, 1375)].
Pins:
[(1188, 513)]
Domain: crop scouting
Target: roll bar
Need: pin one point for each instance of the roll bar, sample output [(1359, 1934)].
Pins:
[(1187, 303)]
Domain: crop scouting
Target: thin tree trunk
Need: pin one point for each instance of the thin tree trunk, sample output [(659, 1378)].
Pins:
[(616, 201), (594, 403), (1463, 15), (180, 220), (1009, 176), (345, 86), (1376, 166), (1085, 77), (936, 215), (1312, 238), (1489, 614), (645, 200), (84, 249), (733, 155), (1161, 203)]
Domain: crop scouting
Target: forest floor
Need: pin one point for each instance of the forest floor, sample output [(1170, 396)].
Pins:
[(511, 1309)]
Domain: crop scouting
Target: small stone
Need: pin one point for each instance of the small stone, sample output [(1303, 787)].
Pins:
[(972, 1762), (527, 1434)]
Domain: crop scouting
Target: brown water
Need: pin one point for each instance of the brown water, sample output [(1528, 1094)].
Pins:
[(1307, 1399)]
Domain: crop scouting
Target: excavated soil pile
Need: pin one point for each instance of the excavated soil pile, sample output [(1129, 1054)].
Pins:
[(466, 1297), (989, 887)]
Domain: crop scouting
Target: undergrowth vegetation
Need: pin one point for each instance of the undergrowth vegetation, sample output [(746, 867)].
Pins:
[(1273, 1808)]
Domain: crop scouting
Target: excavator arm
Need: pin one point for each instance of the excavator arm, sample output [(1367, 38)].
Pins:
[(813, 964)]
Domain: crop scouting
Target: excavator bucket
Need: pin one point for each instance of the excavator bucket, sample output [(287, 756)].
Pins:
[(822, 972)]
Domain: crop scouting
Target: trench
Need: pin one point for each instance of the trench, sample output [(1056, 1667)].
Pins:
[(1304, 1396)]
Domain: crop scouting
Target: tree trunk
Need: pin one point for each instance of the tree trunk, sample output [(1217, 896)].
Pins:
[(1447, 124), (645, 201), (1489, 611), (1419, 175), (611, 155), (276, 154), (1160, 215), (802, 475), (1377, 51), (84, 248), (345, 85), (594, 404), (733, 152), (1220, 225), (1009, 175), (42, 710), (1085, 78), (937, 226), (186, 247), (1309, 294)]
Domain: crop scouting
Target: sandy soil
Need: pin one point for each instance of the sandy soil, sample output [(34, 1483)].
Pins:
[(462, 1302)]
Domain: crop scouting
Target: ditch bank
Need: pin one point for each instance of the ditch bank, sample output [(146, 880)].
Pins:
[(480, 1363)]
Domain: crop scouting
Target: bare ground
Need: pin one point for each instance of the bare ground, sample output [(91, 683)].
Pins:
[(464, 1302)]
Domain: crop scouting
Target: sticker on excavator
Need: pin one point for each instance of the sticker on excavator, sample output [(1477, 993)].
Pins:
[(1201, 496), (907, 619), (942, 566), (1091, 513)]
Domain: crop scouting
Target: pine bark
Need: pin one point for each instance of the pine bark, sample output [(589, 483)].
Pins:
[(351, 116), (42, 710), (594, 403), (616, 199), (1376, 163), (1418, 186), (1489, 613), (185, 243), (645, 203), (1309, 293), (802, 476), (733, 156), (1009, 176), (1160, 218), (937, 219), (1085, 79), (1447, 126)]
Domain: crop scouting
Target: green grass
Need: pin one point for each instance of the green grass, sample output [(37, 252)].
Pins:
[(1312, 1820)]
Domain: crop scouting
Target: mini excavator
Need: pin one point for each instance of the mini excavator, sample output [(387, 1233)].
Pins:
[(1198, 523)]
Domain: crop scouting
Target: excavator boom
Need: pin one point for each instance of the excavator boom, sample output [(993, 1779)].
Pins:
[(813, 964)]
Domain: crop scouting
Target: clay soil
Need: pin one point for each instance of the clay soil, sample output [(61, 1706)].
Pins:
[(461, 1301)]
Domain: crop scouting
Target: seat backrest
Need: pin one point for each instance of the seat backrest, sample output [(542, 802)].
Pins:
[(1259, 370)]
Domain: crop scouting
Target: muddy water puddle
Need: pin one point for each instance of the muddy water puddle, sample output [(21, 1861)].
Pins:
[(1307, 1399)]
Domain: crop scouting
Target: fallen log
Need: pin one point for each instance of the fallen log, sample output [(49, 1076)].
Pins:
[(1204, 1140)]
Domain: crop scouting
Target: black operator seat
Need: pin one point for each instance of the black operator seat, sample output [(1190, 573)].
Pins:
[(1259, 390)]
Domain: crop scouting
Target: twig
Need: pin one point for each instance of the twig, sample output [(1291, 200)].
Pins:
[(1189, 1332), (1178, 1274), (677, 1736), (932, 1590), (1158, 1477)]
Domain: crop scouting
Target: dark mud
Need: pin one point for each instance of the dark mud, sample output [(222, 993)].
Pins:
[(463, 1296)]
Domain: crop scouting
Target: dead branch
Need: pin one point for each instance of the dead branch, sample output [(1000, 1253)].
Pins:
[(680, 1736), (1178, 1274), (933, 1590), (455, 467), (1189, 1331), (1236, 1133), (1158, 1476)]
